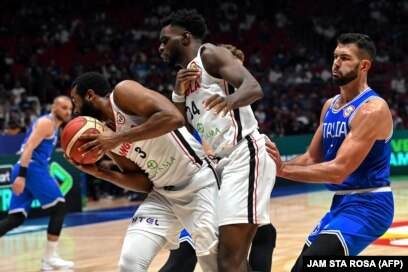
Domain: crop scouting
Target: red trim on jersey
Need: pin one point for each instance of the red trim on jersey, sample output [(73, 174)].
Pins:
[(184, 150)]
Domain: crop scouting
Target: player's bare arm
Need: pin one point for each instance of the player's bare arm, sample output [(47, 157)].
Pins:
[(44, 128), (160, 114), (313, 155), (219, 62), (131, 178), (366, 127)]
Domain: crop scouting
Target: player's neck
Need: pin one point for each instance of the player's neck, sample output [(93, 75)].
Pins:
[(57, 121), (190, 54), (106, 111), (351, 90)]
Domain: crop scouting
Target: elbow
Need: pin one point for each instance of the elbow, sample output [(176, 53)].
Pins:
[(177, 120), (179, 123), (338, 178), (258, 91)]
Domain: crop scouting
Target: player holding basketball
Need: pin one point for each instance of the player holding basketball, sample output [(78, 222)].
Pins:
[(350, 153), (223, 117), (260, 257), (184, 189), (32, 180)]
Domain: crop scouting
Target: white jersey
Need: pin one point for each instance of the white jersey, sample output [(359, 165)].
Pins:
[(169, 160), (221, 133)]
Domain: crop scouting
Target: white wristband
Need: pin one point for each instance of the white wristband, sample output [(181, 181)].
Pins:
[(178, 98)]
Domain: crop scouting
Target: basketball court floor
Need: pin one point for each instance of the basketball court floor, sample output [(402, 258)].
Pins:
[(93, 238)]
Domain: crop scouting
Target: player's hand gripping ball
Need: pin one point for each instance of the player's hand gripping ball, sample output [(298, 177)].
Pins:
[(70, 139)]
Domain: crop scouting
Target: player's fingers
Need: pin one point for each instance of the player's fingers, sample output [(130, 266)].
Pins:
[(212, 102), (91, 150), (89, 136), (88, 145)]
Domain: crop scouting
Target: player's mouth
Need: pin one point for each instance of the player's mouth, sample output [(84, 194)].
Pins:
[(164, 57), (336, 73)]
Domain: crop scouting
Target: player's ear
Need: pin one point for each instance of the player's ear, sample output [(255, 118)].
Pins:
[(90, 94), (365, 65), (186, 38)]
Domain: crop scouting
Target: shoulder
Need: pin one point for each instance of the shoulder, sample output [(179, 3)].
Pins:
[(127, 88), (375, 116), (328, 103), (374, 108), (44, 126), (44, 121), (126, 85), (211, 53)]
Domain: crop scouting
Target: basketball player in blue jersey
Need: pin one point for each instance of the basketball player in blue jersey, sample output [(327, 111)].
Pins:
[(159, 156), (260, 257), (214, 92), (350, 152), (32, 180)]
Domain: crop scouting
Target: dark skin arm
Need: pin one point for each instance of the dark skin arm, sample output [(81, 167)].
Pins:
[(220, 63), (131, 178), (132, 98)]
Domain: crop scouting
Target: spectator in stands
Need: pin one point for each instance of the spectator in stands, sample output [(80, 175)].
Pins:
[(398, 83)]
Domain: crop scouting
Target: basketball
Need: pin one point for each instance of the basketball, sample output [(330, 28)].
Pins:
[(70, 141)]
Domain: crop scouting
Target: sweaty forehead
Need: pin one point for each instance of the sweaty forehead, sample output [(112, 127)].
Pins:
[(349, 49)]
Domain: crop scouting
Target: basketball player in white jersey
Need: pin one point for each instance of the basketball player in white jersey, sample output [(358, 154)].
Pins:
[(215, 92), (157, 156), (184, 259)]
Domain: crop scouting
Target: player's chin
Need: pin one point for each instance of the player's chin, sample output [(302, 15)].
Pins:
[(165, 59)]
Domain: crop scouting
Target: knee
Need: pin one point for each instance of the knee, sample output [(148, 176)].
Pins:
[(11, 221), (265, 235), (231, 261), (17, 218), (56, 219), (132, 263)]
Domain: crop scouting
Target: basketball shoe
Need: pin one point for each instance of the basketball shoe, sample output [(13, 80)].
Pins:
[(54, 263)]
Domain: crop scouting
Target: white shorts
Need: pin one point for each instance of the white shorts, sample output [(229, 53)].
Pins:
[(194, 208), (247, 179)]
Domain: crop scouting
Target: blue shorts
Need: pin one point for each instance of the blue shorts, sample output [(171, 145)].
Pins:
[(185, 237), (39, 185), (357, 220)]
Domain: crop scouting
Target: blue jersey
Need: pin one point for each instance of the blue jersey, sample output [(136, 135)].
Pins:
[(42, 153), (374, 171)]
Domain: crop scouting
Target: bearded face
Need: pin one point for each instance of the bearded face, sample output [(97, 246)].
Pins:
[(88, 109), (341, 79)]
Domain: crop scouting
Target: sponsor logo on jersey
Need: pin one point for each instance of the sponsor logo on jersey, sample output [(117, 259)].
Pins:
[(207, 135), (146, 220), (124, 149), (155, 168), (120, 119), (396, 235), (347, 111)]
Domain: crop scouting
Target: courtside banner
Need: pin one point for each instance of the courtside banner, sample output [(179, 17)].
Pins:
[(355, 263)]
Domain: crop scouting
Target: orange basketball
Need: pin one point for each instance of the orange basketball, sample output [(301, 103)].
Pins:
[(70, 138)]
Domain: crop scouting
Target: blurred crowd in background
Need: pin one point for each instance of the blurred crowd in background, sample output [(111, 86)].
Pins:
[(288, 45)]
